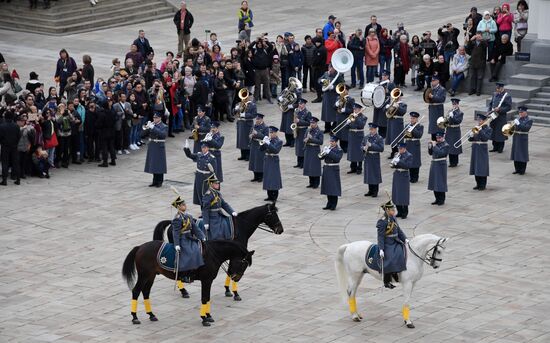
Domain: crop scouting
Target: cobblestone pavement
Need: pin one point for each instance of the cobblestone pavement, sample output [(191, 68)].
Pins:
[(63, 240)]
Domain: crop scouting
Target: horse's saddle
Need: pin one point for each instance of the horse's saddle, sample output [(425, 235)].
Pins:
[(372, 258), (166, 257)]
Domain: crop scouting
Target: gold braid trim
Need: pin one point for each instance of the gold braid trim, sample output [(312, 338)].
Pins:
[(215, 200), (389, 228), (186, 226)]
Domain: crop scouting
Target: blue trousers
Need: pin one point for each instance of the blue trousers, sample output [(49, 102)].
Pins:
[(371, 70), (357, 68), (456, 79)]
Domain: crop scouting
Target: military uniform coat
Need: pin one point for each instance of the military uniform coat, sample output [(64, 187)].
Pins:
[(330, 181), (400, 190), (256, 160), (343, 116), (479, 162), (438, 169), (453, 132), (391, 239), (244, 125), (220, 226), (201, 174), (155, 162), (187, 235), (520, 140), (304, 118), (287, 118), (379, 114), (328, 112), (312, 164), (373, 173), (355, 139), (272, 170), (395, 124), (413, 145), (435, 108), (215, 146), (501, 119), (204, 127)]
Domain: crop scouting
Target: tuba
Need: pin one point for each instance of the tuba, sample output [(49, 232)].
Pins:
[(290, 94), (342, 61), (426, 95), (392, 110)]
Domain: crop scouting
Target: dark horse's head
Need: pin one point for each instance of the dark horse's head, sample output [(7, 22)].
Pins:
[(238, 265), (272, 220)]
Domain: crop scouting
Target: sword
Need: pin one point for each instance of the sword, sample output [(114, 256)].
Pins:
[(177, 263)]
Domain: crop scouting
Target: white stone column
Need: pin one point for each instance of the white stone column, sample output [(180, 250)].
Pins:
[(539, 18)]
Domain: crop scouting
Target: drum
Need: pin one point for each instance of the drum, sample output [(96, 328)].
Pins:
[(373, 95)]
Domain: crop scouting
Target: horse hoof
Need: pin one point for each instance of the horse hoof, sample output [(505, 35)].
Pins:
[(228, 294), (410, 325), (205, 323), (184, 293), (356, 318), (237, 297), (209, 318), (136, 321)]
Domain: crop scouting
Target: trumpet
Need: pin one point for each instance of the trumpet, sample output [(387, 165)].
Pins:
[(264, 141), (406, 133), (146, 126), (395, 160), (392, 109), (474, 131), (341, 103), (208, 137), (324, 152)]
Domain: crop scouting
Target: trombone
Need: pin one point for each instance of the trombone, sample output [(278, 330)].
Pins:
[(474, 131), (406, 133), (350, 119)]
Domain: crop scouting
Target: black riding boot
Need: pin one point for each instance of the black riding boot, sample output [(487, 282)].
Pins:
[(387, 281)]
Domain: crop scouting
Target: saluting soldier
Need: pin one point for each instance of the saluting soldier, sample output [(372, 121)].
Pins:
[(203, 159), (312, 165), (520, 141), (435, 107), (412, 138), (218, 225), (301, 119), (155, 162), (287, 118), (501, 103), (355, 139), (438, 169), (215, 141), (201, 123), (328, 112), (331, 185), (391, 243), (395, 124), (401, 191), (272, 145), (342, 113), (372, 145), (256, 163), (479, 162), (244, 126), (453, 132), (379, 114)]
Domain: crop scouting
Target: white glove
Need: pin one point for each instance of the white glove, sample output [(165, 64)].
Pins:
[(516, 121), (381, 253), (387, 106), (243, 115), (186, 146), (451, 115), (348, 121), (326, 150), (369, 144), (206, 226), (406, 241), (151, 125), (337, 103), (234, 214), (280, 98), (178, 248), (331, 87), (266, 140), (470, 134)]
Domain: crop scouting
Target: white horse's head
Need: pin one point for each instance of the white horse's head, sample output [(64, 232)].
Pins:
[(429, 248)]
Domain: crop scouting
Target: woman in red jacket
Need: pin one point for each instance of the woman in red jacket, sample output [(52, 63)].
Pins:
[(505, 20), (331, 44), (372, 52)]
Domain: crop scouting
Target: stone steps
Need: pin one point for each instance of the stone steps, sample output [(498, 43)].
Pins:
[(540, 101), (543, 95), (536, 106), (530, 80), (535, 69), (522, 91)]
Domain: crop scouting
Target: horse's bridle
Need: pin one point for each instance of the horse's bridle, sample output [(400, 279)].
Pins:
[(432, 259), (265, 227)]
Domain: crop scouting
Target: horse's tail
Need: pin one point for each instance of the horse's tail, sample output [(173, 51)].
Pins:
[(341, 272), (129, 268), (158, 234)]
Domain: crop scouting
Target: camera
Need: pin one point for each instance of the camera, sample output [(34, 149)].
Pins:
[(465, 26), (265, 33), (207, 31), (238, 41)]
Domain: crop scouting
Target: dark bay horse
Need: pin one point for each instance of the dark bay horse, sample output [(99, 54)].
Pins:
[(245, 225), (143, 260)]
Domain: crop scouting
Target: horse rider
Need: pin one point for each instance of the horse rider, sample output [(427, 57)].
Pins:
[(520, 141), (342, 113), (413, 145), (201, 123), (391, 242), (438, 169), (401, 188), (372, 145), (331, 185), (355, 138), (155, 162), (302, 117), (479, 161), (203, 159), (435, 106), (187, 238), (395, 124), (379, 114), (216, 224), (215, 141), (328, 112), (453, 132), (244, 126), (501, 103), (312, 165), (272, 182), (256, 161)]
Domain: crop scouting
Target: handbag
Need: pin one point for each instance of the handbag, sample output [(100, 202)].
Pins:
[(52, 142)]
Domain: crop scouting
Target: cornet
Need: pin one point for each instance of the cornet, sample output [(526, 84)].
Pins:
[(264, 141), (208, 137), (146, 126), (395, 160), (324, 151)]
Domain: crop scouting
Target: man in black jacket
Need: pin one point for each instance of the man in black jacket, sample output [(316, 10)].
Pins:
[(200, 92), (105, 125), (183, 21), (10, 133), (261, 59), (143, 44), (449, 36), (308, 50), (356, 45), (319, 65), (502, 49), (90, 133)]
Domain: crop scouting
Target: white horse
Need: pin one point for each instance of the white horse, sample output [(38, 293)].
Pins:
[(351, 266)]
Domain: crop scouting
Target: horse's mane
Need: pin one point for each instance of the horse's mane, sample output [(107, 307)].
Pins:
[(230, 244), (246, 212)]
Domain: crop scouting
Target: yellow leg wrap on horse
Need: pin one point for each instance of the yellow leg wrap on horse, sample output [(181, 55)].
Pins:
[(147, 304), (406, 312), (204, 307), (227, 281), (208, 307), (134, 305), (352, 305), (235, 286), (180, 284)]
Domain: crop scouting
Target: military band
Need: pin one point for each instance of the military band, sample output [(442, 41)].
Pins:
[(435, 106), (203, 159), (155, 162), (479, 162), (215, 141), (412, 138), (520, 141), (328, 112), (372, 145), (453, 132), (256, 161), (245, 121), (331, 185), (272, 182), (344, 107), (312, 165), (438, 168), (217, 224), (501, 103), (379, 114), (302, 118), (395, 124), (401, 164), (356, 155), (201, 123)]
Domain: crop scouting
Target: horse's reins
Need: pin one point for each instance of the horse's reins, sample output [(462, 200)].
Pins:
[(263, 226), (218, 259), (429, 261)]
